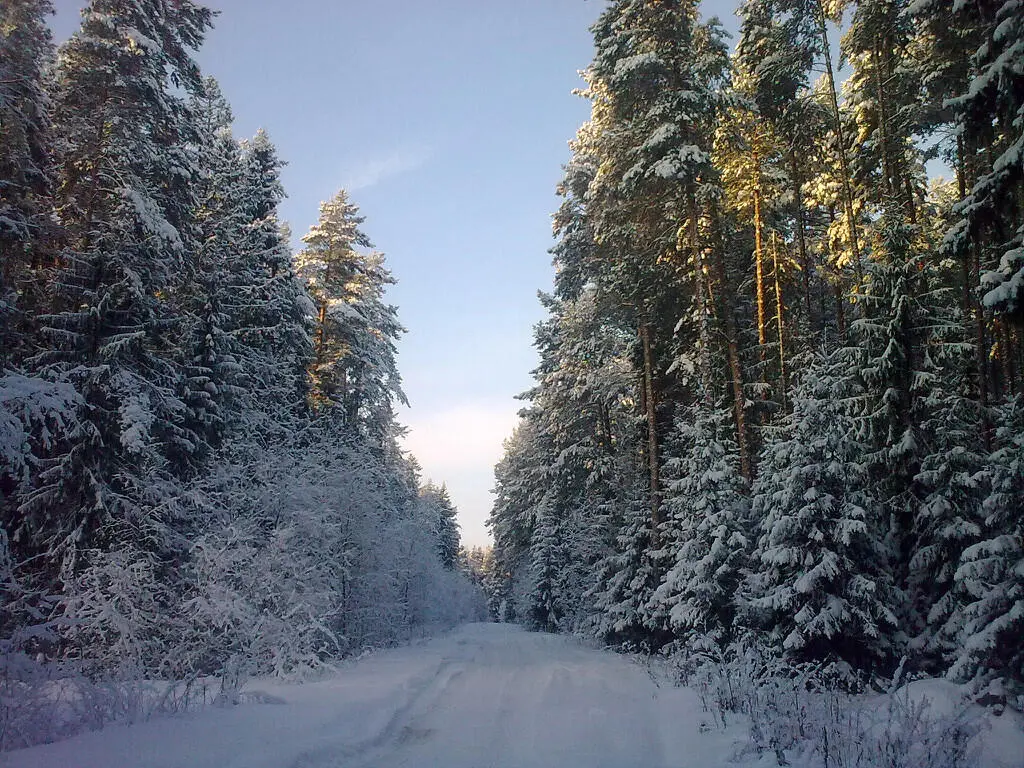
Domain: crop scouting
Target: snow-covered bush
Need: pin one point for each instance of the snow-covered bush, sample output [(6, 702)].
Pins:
[(34, 414), (116, 615), (815, 716), (303, 559), (43, 699), (25, 716)]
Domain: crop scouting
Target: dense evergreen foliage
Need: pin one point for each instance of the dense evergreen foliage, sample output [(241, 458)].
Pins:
[(780, 381), (199, 455)]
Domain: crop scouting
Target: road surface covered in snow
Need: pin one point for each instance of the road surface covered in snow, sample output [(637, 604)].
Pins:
[(483, 696)]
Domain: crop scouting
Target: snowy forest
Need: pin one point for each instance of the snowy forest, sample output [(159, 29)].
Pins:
[(199, 451), (780, 396)]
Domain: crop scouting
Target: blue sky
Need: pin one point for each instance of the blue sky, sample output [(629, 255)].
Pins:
[(448, 122)]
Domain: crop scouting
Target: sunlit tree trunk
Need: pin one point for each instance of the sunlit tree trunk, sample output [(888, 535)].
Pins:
[(844, 164), (780, 322), (801, 236), (733, 354), (704, 303), (762, 333)]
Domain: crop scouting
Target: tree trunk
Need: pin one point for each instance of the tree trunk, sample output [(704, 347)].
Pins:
[(972, 279), (981, 350), (779, 322), (733, 353), (704, 294), (1009, 363), (840, 312), (888, 171), (762, 333), (801, 241), (652, 427), (961, 185), (321, 333), (844, 165)]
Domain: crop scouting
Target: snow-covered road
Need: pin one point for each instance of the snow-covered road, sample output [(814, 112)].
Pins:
[(485, 695), (504, 697)]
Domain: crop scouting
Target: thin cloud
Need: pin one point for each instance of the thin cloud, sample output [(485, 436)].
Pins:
[(374, 169), (460, 446), (467, 436)]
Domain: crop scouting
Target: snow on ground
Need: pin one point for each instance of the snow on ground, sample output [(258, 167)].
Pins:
[(483, 696)]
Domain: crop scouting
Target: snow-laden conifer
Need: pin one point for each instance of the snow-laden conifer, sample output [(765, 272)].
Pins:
[(626, 580), (542, 606), (707, 528), (440, 510), (26, 175), (277, 318), (356, 333), (124, 199), (820, 584), (990, 576)]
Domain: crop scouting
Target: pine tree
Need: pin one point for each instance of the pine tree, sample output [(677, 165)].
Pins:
[(656, 83), (746, 151), (774, 61), (883, 94), (354, 345)]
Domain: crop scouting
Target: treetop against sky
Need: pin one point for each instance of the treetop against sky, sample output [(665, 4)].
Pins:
[(448, 124)]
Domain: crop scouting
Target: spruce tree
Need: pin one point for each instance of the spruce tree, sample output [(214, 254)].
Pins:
[(215, 299), (820, 585), (989, 579), (25, 170), (707, 528), (124, 200), (278, 314), (446, 527), (519, 485), (910, 354), (627, 578), (991, 114), (543, 606)]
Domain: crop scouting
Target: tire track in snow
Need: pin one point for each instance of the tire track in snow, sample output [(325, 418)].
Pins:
[(395, 731), (527, 700), (482, 696)]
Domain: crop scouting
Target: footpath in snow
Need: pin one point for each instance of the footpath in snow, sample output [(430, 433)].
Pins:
[(482, 696)]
